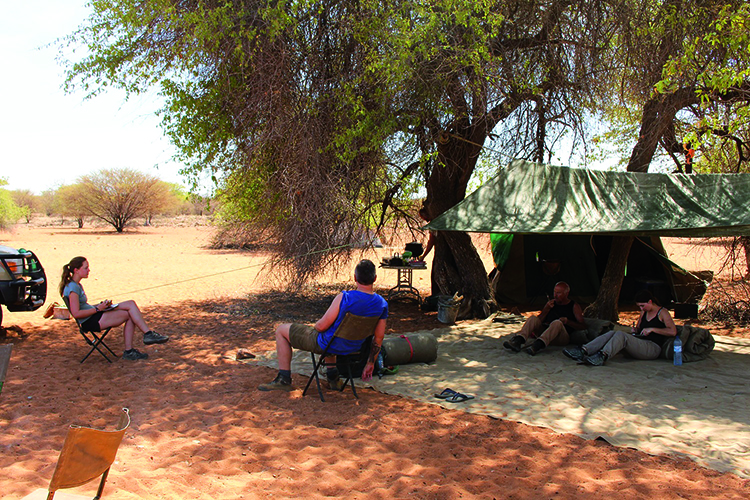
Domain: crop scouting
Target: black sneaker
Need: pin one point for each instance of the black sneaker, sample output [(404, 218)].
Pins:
[(151, 337), (575, 353), (515, 343), (134, 355), (277, 384), (534, 348), (596, 359)]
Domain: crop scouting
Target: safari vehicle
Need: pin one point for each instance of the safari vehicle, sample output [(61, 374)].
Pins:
[(23, 284)]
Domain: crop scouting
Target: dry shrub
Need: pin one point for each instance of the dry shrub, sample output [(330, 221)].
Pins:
[(727, 302), (240, 235)]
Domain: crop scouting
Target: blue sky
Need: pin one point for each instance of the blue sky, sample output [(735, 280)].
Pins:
[(48, 138)]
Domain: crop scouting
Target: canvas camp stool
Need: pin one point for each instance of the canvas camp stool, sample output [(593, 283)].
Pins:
[(94, 339), (86, 454), (352, 327)]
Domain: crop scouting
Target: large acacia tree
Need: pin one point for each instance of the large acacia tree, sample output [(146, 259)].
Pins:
[(118, 196), (319, 118), (686, 75)]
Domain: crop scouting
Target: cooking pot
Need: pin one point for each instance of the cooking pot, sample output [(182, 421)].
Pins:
[(415, 248)]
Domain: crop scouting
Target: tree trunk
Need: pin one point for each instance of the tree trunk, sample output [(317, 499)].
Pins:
[(745, 241), (456, 266), (656, 120), (605, 305)]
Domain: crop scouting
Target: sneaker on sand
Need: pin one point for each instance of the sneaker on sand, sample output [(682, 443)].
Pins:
[(596, 359), (152, 337), (574, 352), (515, 344), (336, 384), (134, 355), (277, 384), (535, 348)]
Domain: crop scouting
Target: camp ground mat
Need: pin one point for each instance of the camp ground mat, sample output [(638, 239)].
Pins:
[(698, 409)]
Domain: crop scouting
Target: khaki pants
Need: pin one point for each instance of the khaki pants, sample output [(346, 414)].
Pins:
[(613, 342), (555, 334)]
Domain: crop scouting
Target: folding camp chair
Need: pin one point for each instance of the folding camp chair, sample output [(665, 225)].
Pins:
[(86, 454), (352, 327), (94, 339)]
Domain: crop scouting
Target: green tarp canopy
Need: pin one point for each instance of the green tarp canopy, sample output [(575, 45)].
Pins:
[(530, 198)]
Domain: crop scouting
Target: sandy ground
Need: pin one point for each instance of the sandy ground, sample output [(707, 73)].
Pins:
[(201, 429)]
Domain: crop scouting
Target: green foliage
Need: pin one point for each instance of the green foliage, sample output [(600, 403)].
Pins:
[(318, 119), (27, 201), (9, 211), (690, 60), (69, 202)]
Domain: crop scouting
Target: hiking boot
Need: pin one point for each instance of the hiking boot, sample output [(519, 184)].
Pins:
[(515, 343), (134, 355), (151, 337), (277, 384), (534, 348), (596, 359), (575, 353), (336, 384)]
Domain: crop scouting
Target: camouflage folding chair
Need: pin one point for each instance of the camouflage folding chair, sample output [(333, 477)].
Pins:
[(352, 327)]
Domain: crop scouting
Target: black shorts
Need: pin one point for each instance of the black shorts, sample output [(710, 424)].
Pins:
[(92, 323)]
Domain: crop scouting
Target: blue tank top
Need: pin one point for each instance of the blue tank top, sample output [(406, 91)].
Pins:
[(359, 304)]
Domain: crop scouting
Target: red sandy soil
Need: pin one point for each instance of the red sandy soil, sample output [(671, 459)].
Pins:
[(201, 430)]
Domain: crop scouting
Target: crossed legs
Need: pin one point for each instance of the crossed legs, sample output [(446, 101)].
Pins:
[(127, 312)]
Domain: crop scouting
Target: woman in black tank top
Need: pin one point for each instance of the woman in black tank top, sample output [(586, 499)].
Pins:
[(654, 327), (655, 323)]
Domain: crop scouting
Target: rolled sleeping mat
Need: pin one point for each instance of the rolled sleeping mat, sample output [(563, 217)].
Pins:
[(421, 347)]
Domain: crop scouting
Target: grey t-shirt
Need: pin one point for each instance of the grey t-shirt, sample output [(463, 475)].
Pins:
[(82, 301)]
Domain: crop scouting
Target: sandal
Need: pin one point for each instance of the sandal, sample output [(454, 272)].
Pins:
[(447, 393), (459, 398)]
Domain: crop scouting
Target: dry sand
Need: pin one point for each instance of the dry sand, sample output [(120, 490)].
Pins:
[(201, 429)]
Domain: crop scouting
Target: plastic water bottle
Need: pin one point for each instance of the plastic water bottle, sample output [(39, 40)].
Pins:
[(677, 351)]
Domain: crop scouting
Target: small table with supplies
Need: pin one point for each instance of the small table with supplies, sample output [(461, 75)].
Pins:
[(404, 288)]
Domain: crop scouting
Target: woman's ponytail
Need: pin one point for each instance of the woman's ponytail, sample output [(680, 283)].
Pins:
[(67, 272)]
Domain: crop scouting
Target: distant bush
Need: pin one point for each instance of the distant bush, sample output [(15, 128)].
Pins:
[(9, 211)]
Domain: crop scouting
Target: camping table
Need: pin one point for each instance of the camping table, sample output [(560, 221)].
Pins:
[(403, 286)]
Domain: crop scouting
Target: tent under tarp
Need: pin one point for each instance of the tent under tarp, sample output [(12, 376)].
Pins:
[(533, 263), (557, 223), (530, 198)]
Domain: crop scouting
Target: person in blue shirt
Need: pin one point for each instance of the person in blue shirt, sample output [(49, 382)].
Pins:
[(105, 314), (362, 301)]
